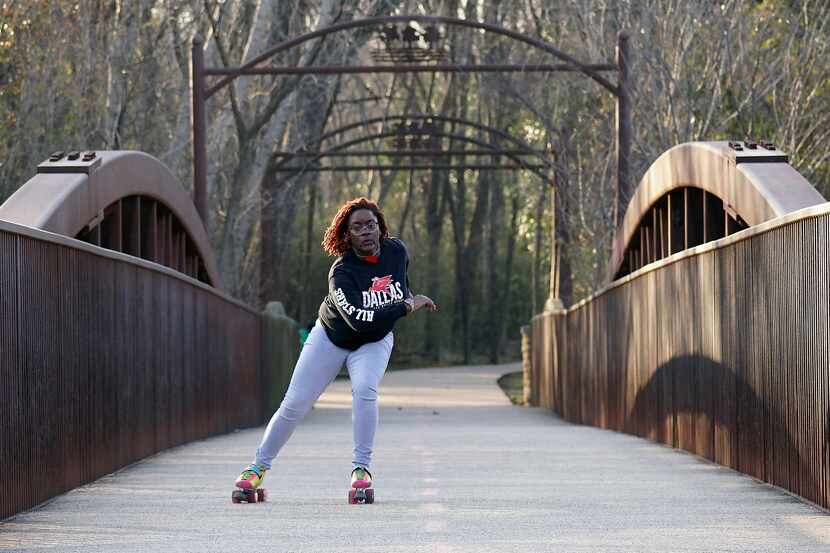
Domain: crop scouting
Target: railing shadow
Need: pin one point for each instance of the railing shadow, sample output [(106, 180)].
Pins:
[(718, 412)]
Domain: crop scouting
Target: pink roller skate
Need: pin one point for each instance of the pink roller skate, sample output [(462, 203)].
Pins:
[(248, 486), (362, 491)]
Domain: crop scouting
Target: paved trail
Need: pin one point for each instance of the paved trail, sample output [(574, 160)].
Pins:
[(457, 468)]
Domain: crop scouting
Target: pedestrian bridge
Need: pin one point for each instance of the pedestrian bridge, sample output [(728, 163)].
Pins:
[(457, 468), (119, 349)]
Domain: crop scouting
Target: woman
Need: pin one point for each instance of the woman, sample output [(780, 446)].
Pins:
[(368, 293)]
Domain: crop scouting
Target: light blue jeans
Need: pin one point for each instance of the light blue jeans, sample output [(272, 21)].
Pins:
[(320, 361)]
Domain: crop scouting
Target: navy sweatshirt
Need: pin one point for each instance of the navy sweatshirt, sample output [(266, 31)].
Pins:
[(365, 299)]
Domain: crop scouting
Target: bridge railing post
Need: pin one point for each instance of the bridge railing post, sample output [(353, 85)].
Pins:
[(527, 353)]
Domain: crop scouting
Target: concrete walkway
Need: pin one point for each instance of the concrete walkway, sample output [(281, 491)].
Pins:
[(457, 468)]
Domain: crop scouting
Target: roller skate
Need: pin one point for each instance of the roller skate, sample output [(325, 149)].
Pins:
[(362, 491), (248, 486)]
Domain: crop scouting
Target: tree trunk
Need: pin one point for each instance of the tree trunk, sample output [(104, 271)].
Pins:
[(507, 289), (563, 237), (122, 39), (407, 205), (467, 253), (435, 225), (494, 313), (537, 251), (305, 295), (457, 219)]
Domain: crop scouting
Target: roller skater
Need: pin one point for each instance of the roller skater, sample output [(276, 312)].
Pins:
[(368, 292)]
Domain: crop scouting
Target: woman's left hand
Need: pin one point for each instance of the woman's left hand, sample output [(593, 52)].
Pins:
[(421, 300)]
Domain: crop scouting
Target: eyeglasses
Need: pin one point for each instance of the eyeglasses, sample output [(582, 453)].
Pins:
[(357, 228)]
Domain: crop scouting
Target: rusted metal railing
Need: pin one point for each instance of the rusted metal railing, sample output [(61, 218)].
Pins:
[(723, 351), (106, 359)]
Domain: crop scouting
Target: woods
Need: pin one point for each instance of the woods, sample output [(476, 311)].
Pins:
[(115, 75)]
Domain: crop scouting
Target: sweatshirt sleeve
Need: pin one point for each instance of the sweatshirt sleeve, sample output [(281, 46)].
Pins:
[(347, 299)]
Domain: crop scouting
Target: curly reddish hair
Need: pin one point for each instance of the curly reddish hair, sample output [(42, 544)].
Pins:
[(336, 239)]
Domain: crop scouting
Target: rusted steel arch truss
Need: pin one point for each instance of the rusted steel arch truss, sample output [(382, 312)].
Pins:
[(201, 91), (494, 150)]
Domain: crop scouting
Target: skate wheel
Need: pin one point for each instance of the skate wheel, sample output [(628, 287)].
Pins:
[(251, 496), (261, 495), (352, 500), (236, 497), (370, 495)]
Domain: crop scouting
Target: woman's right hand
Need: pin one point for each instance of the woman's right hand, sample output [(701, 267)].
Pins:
[(420, 301)]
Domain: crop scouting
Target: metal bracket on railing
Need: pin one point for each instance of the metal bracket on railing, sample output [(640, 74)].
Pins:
[(70, 162), (749, 152)]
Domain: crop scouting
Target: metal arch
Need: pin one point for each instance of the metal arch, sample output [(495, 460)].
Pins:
[(754, 185), (66, 202), (680, 219), (496, 29), (624, 124), (459, 137), (420, 116)]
